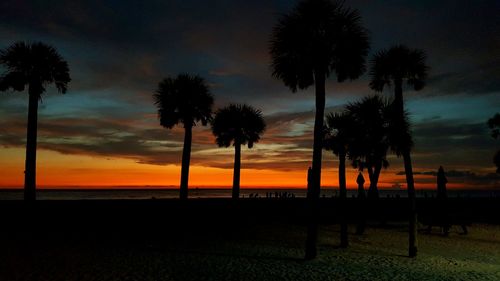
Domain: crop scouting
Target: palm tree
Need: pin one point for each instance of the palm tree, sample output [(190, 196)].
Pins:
[(397, 66), (34, 65), (370, 144), (184, 100), (317, 39), (374, 135), (338, 137), (237, 125)]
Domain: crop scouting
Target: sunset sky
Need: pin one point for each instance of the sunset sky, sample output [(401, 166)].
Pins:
[(105, 132)]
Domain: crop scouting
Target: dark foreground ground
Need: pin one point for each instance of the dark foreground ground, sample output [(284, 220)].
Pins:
[(216, 239)]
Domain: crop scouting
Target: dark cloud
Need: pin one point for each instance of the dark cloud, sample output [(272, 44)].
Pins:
[(476, 80), (121, 138), (453, 143)]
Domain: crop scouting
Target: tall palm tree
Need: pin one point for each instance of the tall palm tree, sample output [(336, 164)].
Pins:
[(186, 100), (238, 125), (317, 39), (397, 66), (32, 65), (338, 137)]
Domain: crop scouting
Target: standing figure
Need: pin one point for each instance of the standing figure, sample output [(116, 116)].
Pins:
[(441, 184), (444, 220), (360, 228)]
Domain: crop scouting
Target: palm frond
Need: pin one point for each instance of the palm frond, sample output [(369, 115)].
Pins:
[(36, 64), (184, 99), (238, 123), (318, 36), (399, 63)]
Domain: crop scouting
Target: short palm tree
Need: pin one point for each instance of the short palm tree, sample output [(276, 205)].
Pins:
[(317, 39), (237, 125), (338, 138), (371, 141), (398, 66), (186, 100), (35, 66)]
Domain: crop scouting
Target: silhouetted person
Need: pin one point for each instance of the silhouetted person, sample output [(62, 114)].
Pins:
[(360, 180), (441, 196), (441, 184)]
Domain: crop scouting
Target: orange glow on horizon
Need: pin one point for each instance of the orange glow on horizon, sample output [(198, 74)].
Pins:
[(57, 170)]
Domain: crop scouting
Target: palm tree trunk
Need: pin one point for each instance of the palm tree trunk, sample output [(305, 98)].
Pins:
[(398, 97), (314, 188), (344, 240), (30, 164), (342, 180), (186, 157), (374, 176), (412, 229), (236, 172), (370, 176)]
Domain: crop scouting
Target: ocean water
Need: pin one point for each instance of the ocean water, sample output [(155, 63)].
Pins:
[(128, 194)]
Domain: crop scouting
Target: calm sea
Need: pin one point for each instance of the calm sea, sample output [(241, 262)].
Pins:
[(126, 194)]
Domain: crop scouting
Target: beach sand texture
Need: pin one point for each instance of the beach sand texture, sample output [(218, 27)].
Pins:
[(261, 252)]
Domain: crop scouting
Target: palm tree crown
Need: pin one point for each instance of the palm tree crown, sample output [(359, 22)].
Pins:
[(318, 36), (339, 133), (398, 64), (185, 99), (370, 142), (36, 65), (241, 124)]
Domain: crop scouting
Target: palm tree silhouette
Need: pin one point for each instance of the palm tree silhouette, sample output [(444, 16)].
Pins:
[(371, 142), (338, 138), (34, 65), (318, 38), (238, 125), (396, 66), (185, 99)]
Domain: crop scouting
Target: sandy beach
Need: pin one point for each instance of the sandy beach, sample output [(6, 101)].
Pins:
[(267, 253), (252, 248)]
